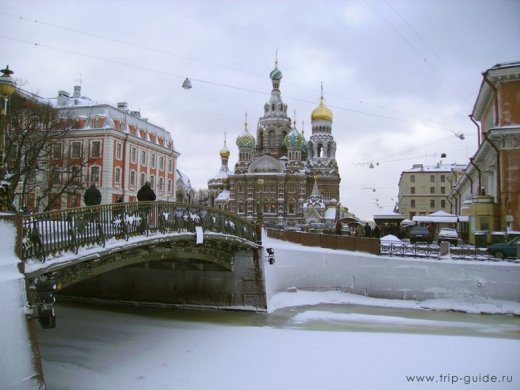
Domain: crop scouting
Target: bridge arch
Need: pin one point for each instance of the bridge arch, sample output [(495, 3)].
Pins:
[(180, 239)]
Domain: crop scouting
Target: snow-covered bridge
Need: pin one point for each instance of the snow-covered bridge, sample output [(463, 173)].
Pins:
[(161, 251)]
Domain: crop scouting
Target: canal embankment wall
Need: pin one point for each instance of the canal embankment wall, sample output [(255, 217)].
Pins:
[(317, 268)]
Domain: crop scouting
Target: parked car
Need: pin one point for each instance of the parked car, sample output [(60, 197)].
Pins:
[(507, 249), (447, 234), (420, 234)]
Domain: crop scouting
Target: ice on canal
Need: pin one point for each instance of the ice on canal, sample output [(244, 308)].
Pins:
[(301, 345)]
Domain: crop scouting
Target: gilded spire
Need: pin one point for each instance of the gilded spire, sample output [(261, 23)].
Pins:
[(321, 112), (224, 152)]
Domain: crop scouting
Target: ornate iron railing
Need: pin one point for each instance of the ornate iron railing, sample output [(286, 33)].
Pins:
[(459, 252), (50, 233)]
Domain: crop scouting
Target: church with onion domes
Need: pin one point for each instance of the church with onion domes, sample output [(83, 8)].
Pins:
[(280, 177)]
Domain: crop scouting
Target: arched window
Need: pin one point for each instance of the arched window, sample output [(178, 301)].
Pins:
[(272, 139), (94, 174), (117, 176), (320, 150), (260, 140)]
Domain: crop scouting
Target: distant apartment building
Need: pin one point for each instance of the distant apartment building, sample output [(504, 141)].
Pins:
[(123, 149), (425, 189), (489, 190)]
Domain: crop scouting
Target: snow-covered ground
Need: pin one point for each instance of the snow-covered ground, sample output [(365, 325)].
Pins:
[(467, 305), (108, 349), (105, 349)]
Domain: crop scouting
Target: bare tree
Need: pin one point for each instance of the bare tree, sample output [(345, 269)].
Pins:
[(41, 167)]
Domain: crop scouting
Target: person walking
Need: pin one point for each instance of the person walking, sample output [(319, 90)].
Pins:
[(368, 230), (376, 232), (92, 195), (338, 227), (145, 193)]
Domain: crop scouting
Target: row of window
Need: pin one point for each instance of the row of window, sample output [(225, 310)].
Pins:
[(267, 208), (432, 178), (432, 190), (432, 203), (98, 122), (143, 179), (95, 172), (267, 188), (76, 150), (95, 151)]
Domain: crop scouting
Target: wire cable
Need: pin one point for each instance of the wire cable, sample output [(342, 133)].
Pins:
[(223, 85), (419, 36), (173, 54), (416, 50)]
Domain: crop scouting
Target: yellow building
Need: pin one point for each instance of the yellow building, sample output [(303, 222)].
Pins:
[(426, 189)]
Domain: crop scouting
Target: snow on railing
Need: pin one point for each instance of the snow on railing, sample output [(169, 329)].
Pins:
[(423, 250), (51, 233)]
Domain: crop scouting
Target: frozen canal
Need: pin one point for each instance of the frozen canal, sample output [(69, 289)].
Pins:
[(325, 346)]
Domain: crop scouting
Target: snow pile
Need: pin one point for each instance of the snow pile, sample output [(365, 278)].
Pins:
[(390, 237), (462, 304), (16, 364)]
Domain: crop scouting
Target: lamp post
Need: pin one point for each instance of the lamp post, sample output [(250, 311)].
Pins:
[(7, 88), (260, 205)]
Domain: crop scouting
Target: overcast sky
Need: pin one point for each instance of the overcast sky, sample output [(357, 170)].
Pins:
[(401, 76)]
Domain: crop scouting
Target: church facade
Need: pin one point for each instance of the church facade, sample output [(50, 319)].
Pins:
[(280, 177)]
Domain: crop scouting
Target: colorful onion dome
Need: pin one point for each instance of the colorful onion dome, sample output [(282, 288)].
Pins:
[(294, 139), (276, 74), (246, 140)]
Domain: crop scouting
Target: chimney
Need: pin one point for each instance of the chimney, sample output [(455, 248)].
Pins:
[(77, 91), (123, 106), (63, 97)]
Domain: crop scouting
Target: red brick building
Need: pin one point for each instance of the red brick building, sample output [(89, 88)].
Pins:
[(489, 191), (124, 150)]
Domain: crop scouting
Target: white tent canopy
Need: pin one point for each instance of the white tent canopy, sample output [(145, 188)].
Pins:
[(389, 215), (407, 222), (440, 217)]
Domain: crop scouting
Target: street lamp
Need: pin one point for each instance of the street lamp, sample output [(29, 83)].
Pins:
[(7, 88), (260, 211)]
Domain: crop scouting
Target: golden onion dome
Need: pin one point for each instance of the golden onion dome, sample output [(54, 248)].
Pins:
[(321, 112), (224, 152)]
